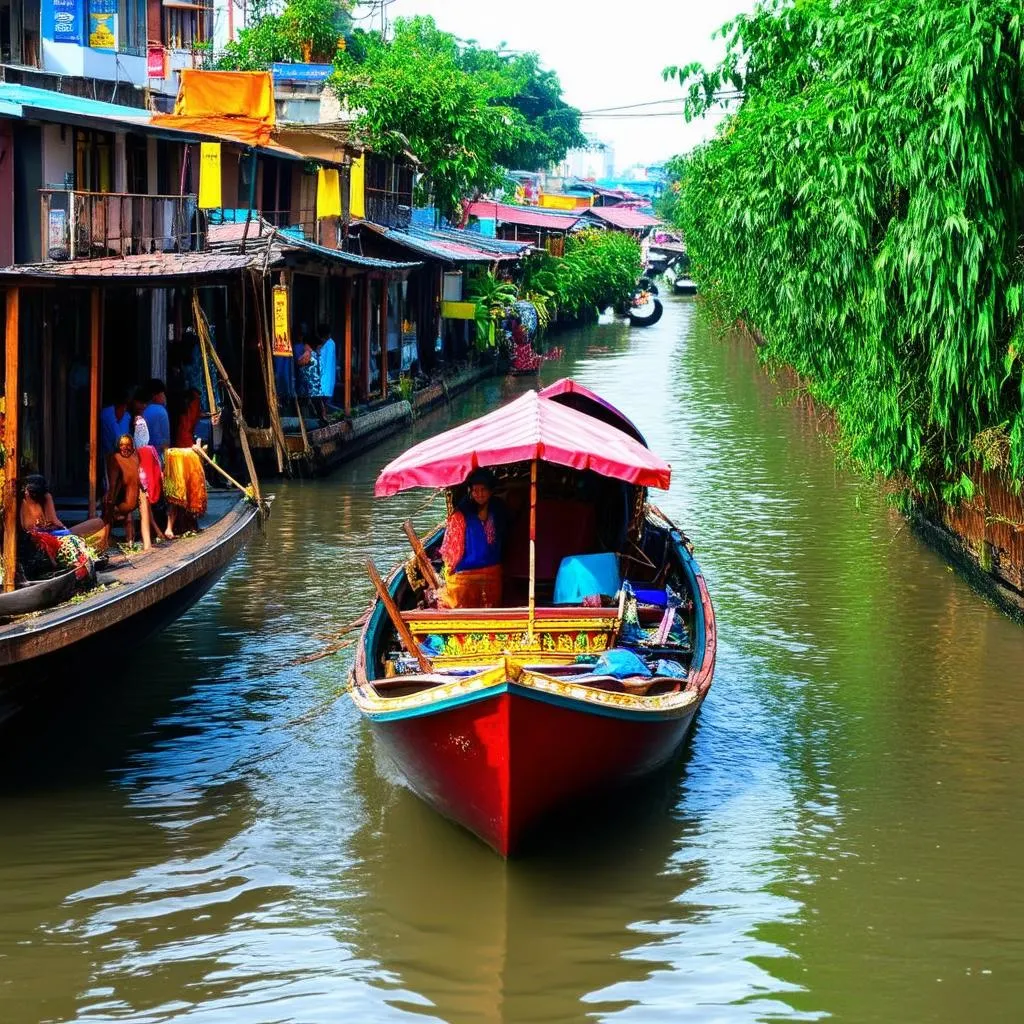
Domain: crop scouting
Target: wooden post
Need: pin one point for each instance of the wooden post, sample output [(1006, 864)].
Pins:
[(533, 552), (11, 409), (383, 338), (367, 320), (95, 323), (348, 346)]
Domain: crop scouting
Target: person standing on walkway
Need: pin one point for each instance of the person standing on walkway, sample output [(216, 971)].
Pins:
[(155, 415), (328, 368), (115, 420)]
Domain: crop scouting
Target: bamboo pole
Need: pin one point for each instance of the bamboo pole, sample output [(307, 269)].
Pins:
[(266, 342), (306, 450), (223, 472), (11, 440), (531, 613), (203, 348), (236, 403), (348, 346), (95, 324)]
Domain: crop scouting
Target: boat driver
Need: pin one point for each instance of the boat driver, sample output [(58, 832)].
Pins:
[(472, 549)]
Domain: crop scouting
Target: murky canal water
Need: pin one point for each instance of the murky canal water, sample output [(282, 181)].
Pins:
[(842, 838)]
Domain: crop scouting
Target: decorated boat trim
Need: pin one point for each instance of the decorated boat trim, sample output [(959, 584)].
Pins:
[(511, 677)]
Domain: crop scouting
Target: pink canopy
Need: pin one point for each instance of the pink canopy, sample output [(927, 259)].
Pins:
[(529, 428), (577, 396)]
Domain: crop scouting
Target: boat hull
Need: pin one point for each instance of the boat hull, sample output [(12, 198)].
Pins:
[(502, 762), (74, 641)]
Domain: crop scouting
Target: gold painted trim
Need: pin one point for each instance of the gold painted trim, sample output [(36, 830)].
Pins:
[(370, 702)]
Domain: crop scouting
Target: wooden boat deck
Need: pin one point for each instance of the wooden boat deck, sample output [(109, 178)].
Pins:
[(134, 583)]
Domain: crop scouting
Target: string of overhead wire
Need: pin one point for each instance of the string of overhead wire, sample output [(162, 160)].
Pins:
[(634, 110)]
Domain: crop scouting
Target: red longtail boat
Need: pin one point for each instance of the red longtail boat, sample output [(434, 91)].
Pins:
[(593, 668)]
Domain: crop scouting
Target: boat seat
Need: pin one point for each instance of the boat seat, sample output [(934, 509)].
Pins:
[(564, 527)]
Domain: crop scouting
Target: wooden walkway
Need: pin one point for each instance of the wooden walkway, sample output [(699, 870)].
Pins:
[(136, 583)]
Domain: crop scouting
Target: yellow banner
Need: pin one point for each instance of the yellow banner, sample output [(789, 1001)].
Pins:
[(209, 176), (282, 339), (458, 310), (556, 201), (356, 186), (328, 193)]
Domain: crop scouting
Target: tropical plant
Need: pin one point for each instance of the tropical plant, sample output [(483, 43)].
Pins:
[(863, 207), (413, 93), (493, 298), (552, 126), (598, 269), (300, 30)]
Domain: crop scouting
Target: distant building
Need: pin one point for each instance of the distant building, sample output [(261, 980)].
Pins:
[(596, 160)]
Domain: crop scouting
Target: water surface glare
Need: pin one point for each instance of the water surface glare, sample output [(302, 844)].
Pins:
[(841, 837)]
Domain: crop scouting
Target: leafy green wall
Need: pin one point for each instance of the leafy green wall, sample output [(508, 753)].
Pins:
[(861, 204)]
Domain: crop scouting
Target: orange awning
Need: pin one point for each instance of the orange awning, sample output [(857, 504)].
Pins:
[(234, 105)]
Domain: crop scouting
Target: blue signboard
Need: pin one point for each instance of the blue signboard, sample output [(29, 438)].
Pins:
[(63, 21), (301, 72)]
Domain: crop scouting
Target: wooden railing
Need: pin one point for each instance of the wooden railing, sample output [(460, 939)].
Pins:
[(91, 225)]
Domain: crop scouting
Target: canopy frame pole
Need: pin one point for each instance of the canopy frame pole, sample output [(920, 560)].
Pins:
[(532, 610)]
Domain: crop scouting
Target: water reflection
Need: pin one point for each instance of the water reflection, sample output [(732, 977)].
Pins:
[(191, 844)]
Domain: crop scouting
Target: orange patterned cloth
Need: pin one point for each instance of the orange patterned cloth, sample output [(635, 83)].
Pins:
[(184, 480), (474, 588)]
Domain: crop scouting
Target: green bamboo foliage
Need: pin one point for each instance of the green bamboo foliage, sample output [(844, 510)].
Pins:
[(862, 207)]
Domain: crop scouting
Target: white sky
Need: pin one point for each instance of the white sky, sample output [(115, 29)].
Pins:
[(605, 55)]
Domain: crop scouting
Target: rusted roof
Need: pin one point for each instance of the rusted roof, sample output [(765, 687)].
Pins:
[(150, 266)]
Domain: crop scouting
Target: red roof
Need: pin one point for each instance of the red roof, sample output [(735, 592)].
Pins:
[(529, 428), (526, 216), (622, 217)]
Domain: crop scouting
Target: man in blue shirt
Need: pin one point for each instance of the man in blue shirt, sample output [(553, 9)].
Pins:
[(328, 368), (155, 415), (115, 420)]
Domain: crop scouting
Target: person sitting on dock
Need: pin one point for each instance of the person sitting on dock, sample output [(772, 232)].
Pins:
[(474, 539), (38, 513)]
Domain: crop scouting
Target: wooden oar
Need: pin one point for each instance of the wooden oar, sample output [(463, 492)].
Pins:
[(401, 626), (422, 558)]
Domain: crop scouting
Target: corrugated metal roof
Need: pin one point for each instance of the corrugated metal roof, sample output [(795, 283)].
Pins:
[(289, 242), (624, 218), (260, 234), (64, 103), (527, 216), (451, 246)]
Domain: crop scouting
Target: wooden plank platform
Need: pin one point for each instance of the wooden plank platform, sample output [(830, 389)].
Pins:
[(154, 586)]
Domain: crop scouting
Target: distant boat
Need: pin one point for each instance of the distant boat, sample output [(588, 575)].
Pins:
[(684, 286)]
